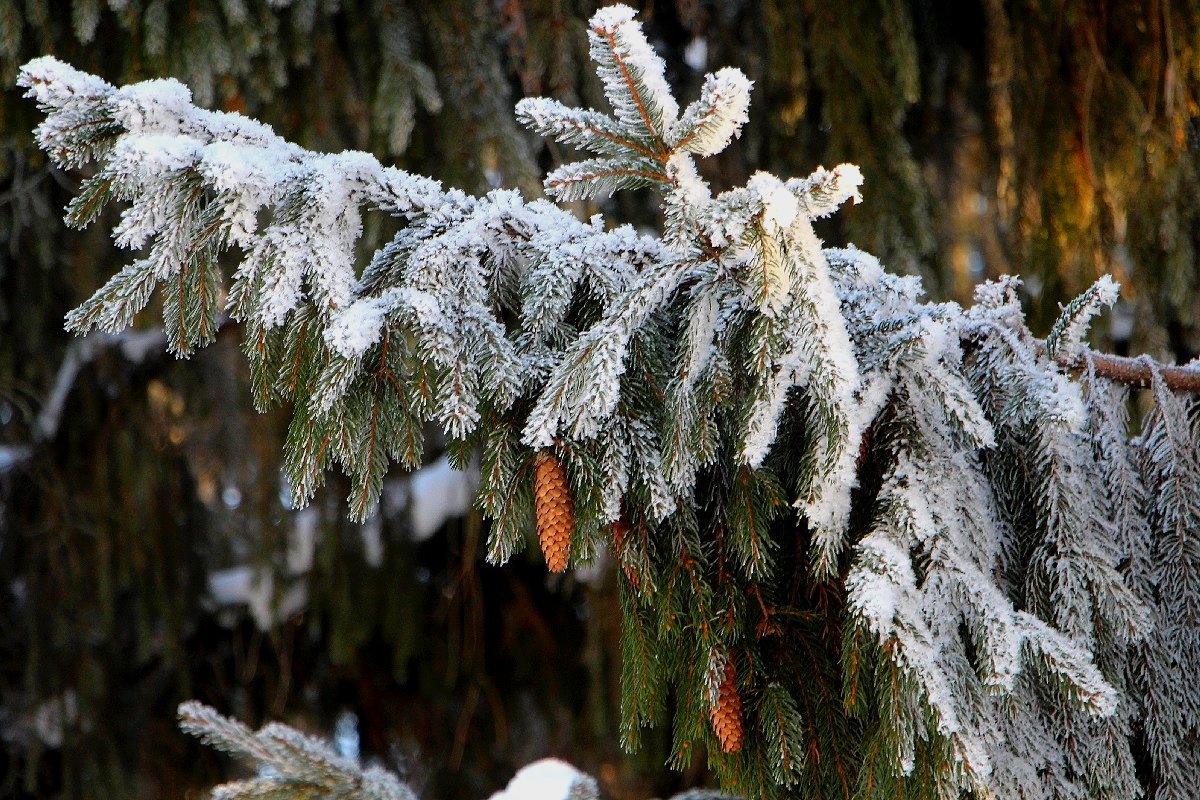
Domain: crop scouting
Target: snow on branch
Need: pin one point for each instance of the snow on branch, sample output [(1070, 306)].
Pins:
[(293, 764), (1066, 337), (290, 762), (632, 73), (198, 182), (646, 142), (719, 400), (710, 123)]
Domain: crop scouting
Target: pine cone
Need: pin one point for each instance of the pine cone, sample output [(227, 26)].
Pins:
[(727, 713), (555, 510)]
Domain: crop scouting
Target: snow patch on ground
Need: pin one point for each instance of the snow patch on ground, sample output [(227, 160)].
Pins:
[(548, 779)]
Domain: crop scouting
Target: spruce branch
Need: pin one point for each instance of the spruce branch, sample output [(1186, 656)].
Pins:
[(1066, 337), (587, 129), (1065, 345), (688, 384), (632, 74), (291, 764), (709, 123), (583, 180)]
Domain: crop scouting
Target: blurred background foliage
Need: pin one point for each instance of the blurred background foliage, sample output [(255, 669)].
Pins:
[(148, 551)]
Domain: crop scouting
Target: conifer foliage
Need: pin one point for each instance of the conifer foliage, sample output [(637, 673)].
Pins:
[(294, 765), (869, 545)]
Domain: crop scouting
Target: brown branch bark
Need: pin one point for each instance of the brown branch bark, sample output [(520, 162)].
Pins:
[(1138, 371), (604, 173)]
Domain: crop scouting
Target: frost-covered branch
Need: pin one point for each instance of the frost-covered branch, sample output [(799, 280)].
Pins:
[(290, 763), (864, 539), (1065, 344)]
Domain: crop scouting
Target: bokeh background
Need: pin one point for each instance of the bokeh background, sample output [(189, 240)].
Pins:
[(148, 549)]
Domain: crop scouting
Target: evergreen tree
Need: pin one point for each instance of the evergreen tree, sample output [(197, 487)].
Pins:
[(869, 545)]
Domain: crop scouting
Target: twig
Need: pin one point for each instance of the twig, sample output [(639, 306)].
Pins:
[(1137, 372)]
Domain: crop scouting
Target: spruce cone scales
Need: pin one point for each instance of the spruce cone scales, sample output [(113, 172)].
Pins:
[(727, 713), (555, 510)]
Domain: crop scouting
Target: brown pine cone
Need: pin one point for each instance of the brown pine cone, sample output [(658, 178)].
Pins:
[(727, 713), (555, 510)]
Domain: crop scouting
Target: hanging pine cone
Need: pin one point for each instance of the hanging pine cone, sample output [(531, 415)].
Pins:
[(727, 713), (555, 510)]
